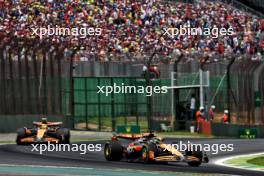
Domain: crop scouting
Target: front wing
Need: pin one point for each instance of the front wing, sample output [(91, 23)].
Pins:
[(174, 158), (35, 140)]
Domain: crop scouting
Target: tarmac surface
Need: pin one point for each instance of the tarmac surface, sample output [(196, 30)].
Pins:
[(12, 156)]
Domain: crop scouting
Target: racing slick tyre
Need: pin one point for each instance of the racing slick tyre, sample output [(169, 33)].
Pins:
[(64, 135), (198, 154), (21, 133), (146, 158), (113, 151)]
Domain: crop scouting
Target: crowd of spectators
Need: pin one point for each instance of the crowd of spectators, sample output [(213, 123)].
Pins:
[(132, 29)]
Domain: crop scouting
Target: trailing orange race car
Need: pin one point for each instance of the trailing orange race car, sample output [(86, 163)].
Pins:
[(42, 132), (148, 148)]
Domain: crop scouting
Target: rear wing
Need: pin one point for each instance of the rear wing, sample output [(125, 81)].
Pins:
[(133, 136), (48, 123)]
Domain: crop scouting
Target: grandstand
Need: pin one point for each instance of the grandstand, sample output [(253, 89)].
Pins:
[(132, 29)]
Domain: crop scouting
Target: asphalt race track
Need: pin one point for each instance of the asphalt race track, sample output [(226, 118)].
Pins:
[(22, 155)]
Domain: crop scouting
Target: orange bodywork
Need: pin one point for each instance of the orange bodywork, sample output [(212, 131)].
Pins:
[(48, 123), (28, 132), (32, 139), (151, 155), (133, 136), (41, 132), (173, 150)]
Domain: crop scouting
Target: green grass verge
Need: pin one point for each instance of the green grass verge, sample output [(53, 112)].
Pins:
[(257, 161), (107, 121), (87, 139), (7, 142)]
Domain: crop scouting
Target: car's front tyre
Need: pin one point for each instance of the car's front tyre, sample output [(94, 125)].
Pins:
[(113, 151), (146, 150), (196, 154)]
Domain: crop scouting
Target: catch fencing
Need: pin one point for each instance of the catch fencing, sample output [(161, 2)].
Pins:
[(38, 80), (99, 111), (33, 81)]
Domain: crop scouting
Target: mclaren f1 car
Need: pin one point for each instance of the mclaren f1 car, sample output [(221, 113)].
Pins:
[(148, 148), (43, 132)]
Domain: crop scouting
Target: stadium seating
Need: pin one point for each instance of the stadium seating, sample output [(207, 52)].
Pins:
[(133, 28)]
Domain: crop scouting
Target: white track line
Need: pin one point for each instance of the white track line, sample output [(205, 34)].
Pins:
[(222, 161), (63, 167)]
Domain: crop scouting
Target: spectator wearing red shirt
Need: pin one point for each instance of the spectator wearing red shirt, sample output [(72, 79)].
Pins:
[(211, 112), (200, 118), (225, 117)]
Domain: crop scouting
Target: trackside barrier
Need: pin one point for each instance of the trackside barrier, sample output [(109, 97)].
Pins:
[(248, 133), (241, 131)]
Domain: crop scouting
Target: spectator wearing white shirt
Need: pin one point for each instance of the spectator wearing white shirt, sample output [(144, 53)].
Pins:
[(193, 106)]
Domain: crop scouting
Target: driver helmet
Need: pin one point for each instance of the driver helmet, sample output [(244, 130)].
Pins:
[(44, 120), (160, 139)]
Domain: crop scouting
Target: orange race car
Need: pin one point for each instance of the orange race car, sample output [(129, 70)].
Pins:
[(43, 132), (148, 148)]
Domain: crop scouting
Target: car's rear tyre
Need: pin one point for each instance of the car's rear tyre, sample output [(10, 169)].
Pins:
[(113, 151), (197, 154), (64, 135), (21, 133)]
